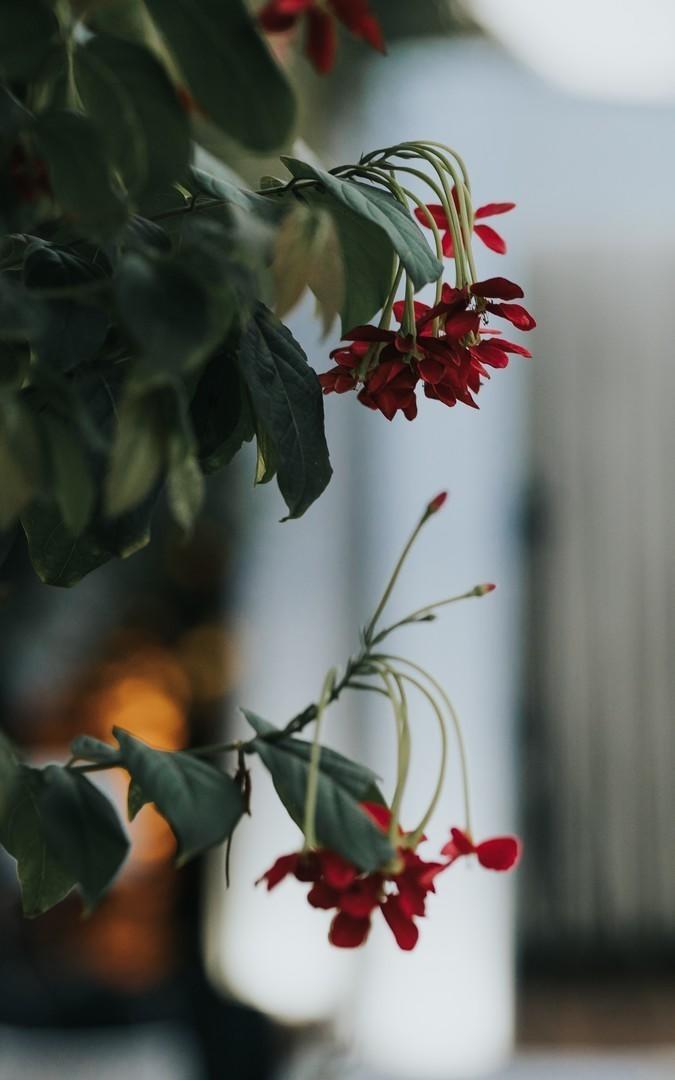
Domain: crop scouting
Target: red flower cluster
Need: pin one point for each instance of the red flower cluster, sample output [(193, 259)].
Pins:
[(321, 39), (450, 364), (399, 891), (486, 233)]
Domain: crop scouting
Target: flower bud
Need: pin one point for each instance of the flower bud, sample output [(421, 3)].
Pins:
[(482, 590), (436, 504)]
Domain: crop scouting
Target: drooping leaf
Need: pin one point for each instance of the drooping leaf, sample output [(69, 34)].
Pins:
[(71, 331), (381, 209), (73, 483), (87, 748), (61, 559), (21, 464), (28, 29), (131, 99), (138, 452), (184, 481), (44, 879), (201, 803), (287, 402), (367, 257), (306, 254), (80, 173), (166, 309), (220, 412), (340, 824), (82, 830), (229, 69)]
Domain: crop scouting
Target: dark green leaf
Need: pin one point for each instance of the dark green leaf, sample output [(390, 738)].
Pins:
[(8, 766), (341, 825), (220, 412), (73, 484), (201, 804), (21, 315), (58, 558), (82, 830), (71, 332), (380, 209), (368, 258), (80, 173), (166, 310), (141, 234), (20, 459), (14, 364), (44, 879), (131, 99), (138, 452), (87, 748), (28, 28), (135, 799), (288, 405), (217, 187), (184, 481), (228, 68)]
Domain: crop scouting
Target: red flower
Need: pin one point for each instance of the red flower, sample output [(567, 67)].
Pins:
[(28, 175), (399, 891), (321, 40), (488, 235), (498, 853)]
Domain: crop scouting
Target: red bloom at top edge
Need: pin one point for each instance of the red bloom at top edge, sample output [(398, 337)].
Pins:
[(321, 42), (497, 853), (490, 237)]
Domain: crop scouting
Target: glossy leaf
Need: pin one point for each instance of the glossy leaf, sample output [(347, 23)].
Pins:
[(44, 879), (82, 830), (201, 803), (228, 68), (382, 210), (341, 824), (87, 748), (287, 403)]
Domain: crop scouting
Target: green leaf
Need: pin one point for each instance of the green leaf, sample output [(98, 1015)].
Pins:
[(9, 764), (307, 254), (341, 825), (138, 452), (133, 103), (79, 171), (217, 187), (228, 68), (61, 559), (367, 256), (73, 484), (21, 315), (382, 210), (28, 29), (288, 405), (44, 880), (14, 364), (82, 830), (20, 459), (166, 309), (220, 412), (184, 481), (87, 748), (71, 333), (135, 799), (201, 804)]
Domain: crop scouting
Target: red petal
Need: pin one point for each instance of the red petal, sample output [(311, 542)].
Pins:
[(337, 872), (491, 238), (490, 352), (347, 932), (275, 21), (497, 288), (432, 370), (499, 853), (322, 896), (463, 322), (285, 865), (515, 313), (492, 208), (381, 815), (460, 844), (448, 246), (321, 41), (401, 925), (362, 897), (437, 212), (519, 350)]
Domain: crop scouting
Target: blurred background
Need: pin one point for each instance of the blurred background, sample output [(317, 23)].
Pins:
[(560, 492)]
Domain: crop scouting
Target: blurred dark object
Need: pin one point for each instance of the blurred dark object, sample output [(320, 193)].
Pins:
[(145, 644), (404, 19)]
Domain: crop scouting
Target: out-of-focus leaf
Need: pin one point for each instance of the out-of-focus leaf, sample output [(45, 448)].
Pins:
[(28, 29), (253, 103), (20, 459), (220, 412), (73, 483), (131, 99), (201, 803)]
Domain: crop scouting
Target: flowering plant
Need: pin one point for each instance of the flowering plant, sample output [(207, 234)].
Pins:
[(141, 346)]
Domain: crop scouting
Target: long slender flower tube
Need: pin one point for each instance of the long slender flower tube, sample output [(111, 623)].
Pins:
[(490, 237)]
